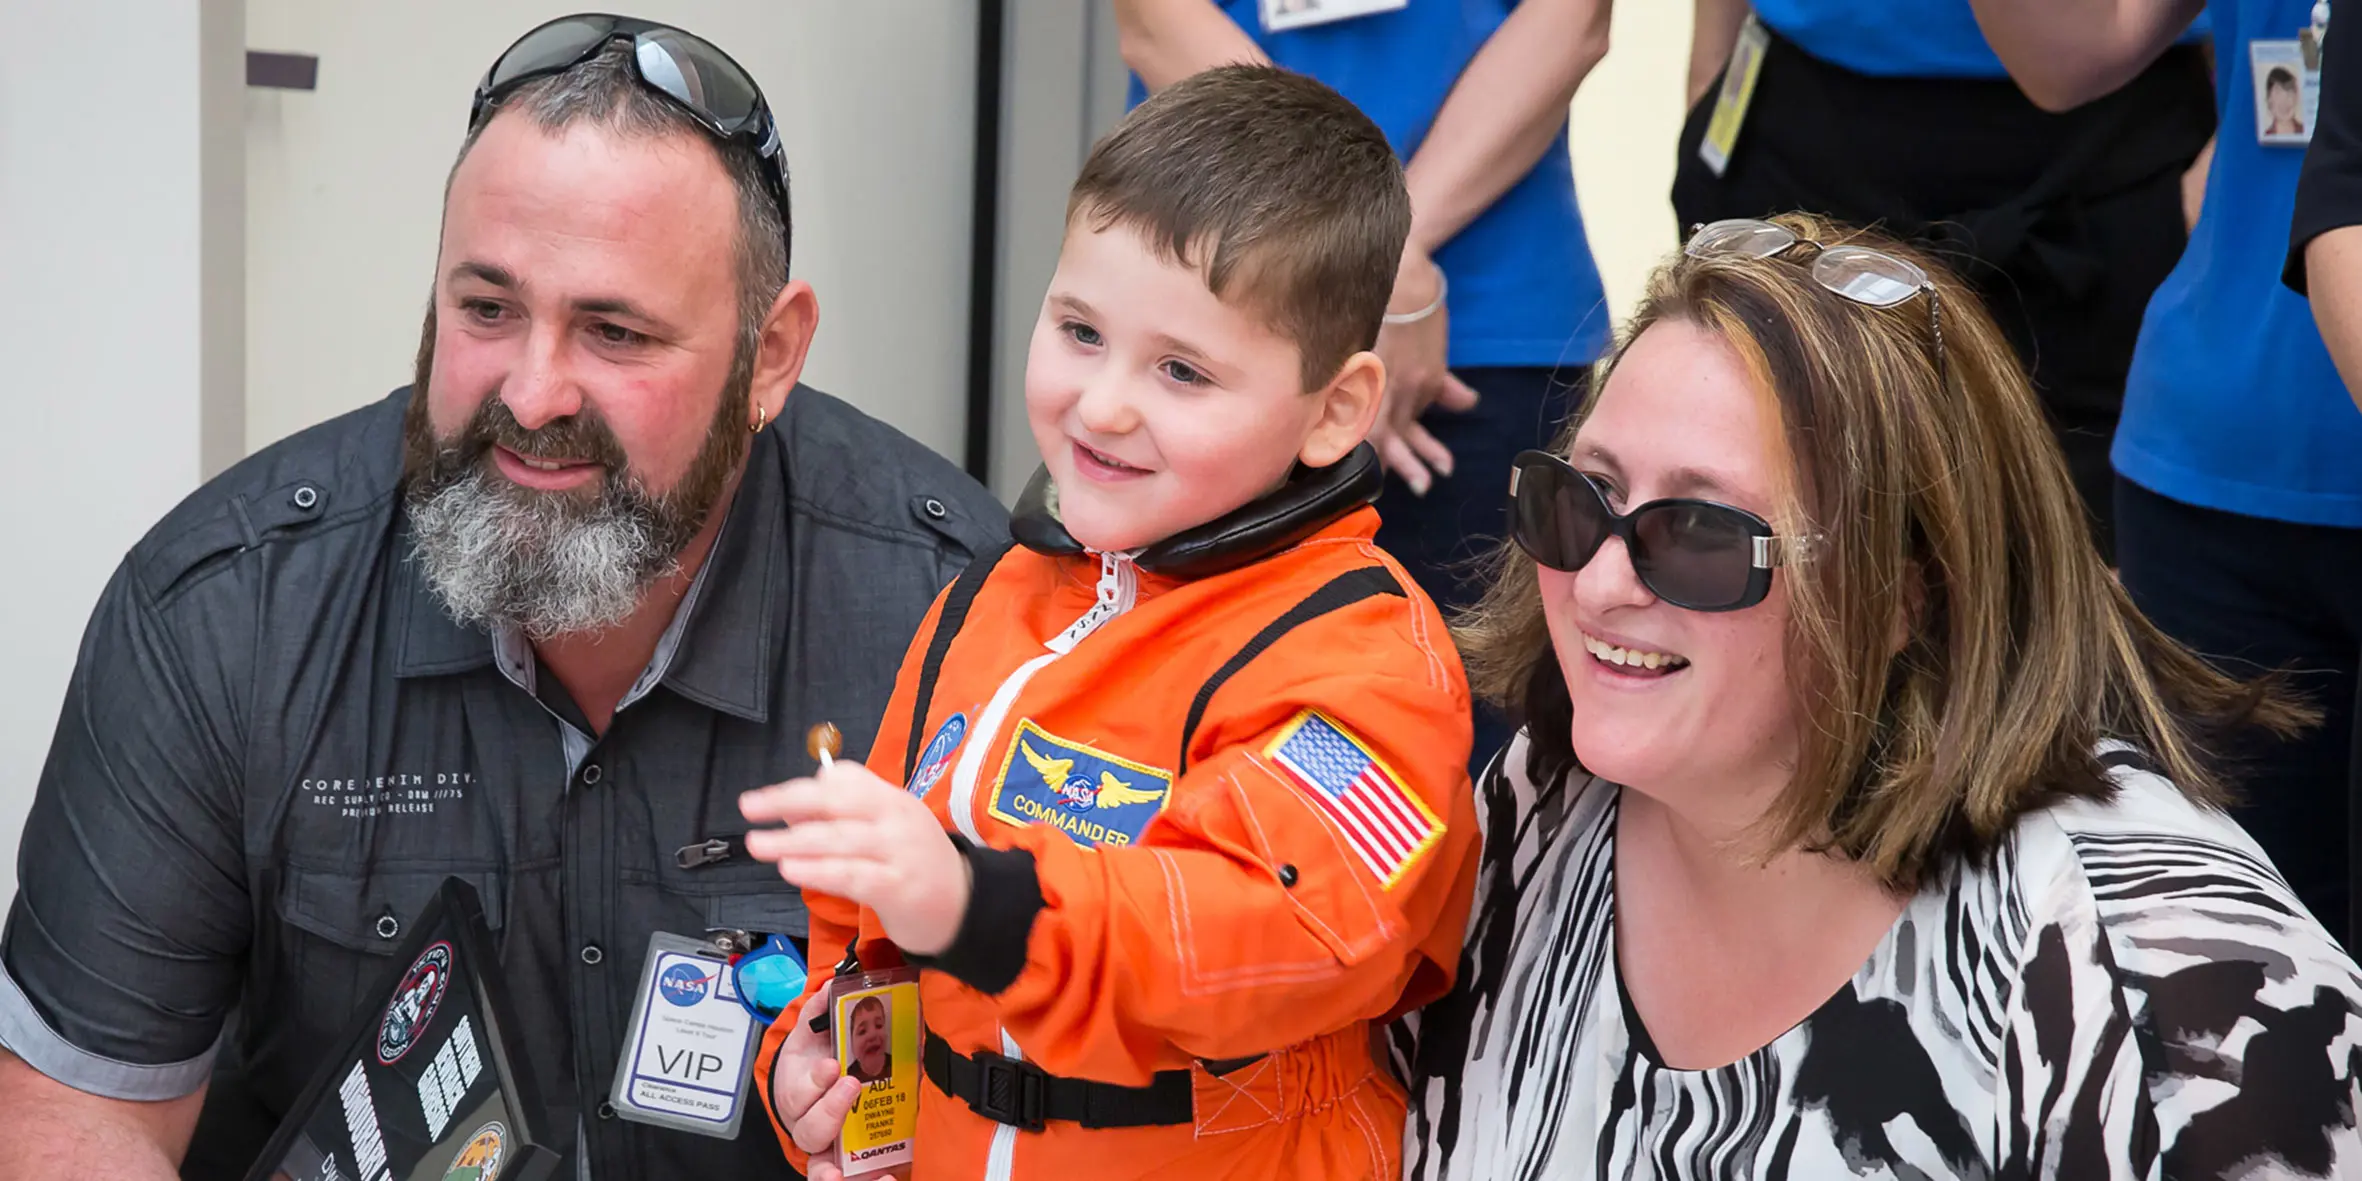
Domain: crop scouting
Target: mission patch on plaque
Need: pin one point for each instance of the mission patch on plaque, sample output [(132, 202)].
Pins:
[(479, 1158), (414, 1004)]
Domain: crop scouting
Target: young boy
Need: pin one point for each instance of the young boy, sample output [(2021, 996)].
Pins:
[(1170, 800)]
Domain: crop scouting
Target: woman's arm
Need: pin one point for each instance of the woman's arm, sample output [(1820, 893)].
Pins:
[(1165, 41), (2064, 53), (1508, 105), (1502, 114), (1713, 32), (2333, 266)]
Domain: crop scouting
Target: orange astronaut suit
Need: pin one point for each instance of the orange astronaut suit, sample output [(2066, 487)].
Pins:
[(1218, 827)]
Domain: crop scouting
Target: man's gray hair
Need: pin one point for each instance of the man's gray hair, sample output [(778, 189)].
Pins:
[(606, 92)]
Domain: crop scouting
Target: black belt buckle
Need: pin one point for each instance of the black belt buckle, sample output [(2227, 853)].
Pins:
[(1009, 1091)]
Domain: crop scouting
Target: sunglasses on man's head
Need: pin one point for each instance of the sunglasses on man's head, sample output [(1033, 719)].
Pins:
[(1694, 554), (683, 67)]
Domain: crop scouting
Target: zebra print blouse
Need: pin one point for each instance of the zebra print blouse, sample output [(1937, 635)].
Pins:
[(2125, 990)]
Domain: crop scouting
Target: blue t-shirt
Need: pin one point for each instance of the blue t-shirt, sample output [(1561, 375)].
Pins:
[(1894, 38), (2232, 402), (1524, 290)]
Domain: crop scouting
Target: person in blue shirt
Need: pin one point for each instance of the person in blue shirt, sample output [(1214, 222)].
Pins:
[(2240, 499), (1896, 113), (2325, 240), (1497, 307)]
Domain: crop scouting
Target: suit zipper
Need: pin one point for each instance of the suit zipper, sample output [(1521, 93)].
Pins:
[(1117, 592)]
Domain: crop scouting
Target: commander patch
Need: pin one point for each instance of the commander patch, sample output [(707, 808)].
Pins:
[(1095, 798)]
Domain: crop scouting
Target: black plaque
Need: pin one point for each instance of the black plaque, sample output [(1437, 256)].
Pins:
[(426, 1084)]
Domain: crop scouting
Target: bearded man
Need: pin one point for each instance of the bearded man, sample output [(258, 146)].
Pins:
[(534, 621)]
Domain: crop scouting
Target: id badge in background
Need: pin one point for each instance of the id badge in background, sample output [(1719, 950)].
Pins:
[(875, 1017), (2287, 91), (1281, 15), (1730, 103), (688, 1052)]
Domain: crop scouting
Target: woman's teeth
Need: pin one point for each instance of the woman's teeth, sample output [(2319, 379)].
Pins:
[(1632, 658)]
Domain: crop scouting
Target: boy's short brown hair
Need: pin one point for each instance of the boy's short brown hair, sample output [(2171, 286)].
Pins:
[(1285, 195)]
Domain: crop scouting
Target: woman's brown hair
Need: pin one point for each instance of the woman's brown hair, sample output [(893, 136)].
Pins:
[(1938, 501)]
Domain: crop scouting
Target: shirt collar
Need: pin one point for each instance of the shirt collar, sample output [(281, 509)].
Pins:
[(721, 645)]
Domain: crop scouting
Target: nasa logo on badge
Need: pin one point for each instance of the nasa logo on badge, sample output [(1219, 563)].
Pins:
[(414, 1003), (683, 984), (936, 759)]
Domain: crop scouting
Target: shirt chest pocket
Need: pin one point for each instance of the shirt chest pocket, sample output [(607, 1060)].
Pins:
[(334, 952)]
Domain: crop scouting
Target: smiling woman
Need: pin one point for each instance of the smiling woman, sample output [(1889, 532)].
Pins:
[(1859, 825)]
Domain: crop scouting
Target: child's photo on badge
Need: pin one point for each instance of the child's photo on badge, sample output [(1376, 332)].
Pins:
[(2280, 108), (869, 1032)]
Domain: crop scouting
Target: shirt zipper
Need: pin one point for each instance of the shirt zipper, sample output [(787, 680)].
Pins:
[(1118, 591)]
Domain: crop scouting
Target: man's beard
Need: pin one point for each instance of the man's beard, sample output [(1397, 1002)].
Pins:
[(553, 563)]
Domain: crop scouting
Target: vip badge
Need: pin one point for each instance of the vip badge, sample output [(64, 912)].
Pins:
[(1095, 798), (414, 1004)]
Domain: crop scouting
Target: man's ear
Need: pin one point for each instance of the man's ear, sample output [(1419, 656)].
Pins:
[(1349, 408), (780, 351)]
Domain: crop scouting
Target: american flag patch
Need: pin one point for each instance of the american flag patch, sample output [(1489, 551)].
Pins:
[(1387, 824)]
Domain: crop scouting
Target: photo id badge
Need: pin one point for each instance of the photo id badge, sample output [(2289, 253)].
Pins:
[(1281, 15), (689, 1050), (1730, 102), (2287, 92), (875, 1017)]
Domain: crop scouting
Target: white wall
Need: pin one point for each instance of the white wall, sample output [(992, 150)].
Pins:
[(1064, 86), (1626, 119), (875, 103), (118, 216)]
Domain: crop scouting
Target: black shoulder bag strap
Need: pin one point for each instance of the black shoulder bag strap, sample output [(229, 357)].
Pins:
[(947, 627), (1334, 595)]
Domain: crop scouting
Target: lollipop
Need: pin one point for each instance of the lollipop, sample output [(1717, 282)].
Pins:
[(824, 741)]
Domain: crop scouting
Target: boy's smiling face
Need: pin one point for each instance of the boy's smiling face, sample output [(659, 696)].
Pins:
[(1159, 407)]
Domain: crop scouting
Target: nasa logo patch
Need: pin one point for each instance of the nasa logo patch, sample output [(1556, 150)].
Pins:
[(936, 759)]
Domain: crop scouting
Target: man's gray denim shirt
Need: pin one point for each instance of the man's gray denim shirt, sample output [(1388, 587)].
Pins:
[(276, 744)]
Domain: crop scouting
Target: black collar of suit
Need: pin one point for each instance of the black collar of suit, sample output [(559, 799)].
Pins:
[(1310, 500)]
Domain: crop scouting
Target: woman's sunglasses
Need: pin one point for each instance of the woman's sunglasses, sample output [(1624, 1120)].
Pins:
[(683, 67), (1694, 554), (1868, 277)]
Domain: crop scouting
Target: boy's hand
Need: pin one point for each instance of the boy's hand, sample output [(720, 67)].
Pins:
[(862, 839), (812, 1097)]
